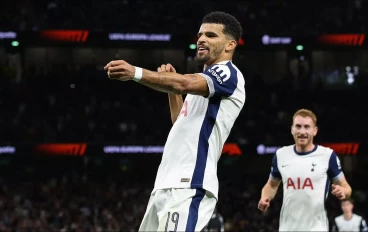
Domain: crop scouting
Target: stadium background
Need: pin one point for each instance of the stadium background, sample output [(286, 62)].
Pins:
[(80, 152)]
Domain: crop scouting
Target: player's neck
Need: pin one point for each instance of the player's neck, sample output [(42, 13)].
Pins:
[(304, 149), (348, 216)]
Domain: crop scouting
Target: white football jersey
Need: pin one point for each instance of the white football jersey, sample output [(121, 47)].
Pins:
[(306, 180), (355, 224), (196, 140)]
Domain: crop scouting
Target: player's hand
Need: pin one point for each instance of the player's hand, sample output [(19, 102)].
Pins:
[(263, 204), (120, 70), (166, 68), (338, 191)]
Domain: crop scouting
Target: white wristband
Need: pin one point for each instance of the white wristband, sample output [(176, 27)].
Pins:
[(138, 74)]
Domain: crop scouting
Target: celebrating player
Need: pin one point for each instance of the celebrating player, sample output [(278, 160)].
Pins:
[(349, 221), (186, 187), (305, 170)]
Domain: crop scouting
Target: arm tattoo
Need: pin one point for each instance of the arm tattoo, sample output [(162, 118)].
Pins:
[(194, 77)]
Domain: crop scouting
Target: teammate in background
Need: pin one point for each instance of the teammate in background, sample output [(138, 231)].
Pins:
[(349, 221), (305, 170), (216, 224), (186, 187)]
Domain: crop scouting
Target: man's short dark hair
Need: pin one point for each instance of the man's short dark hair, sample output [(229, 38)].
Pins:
[(232, 26)]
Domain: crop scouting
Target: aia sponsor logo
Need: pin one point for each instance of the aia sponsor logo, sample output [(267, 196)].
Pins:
[(299, 183)]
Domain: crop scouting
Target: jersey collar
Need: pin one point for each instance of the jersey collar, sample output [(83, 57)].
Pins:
[(223, 62), (305, 153)]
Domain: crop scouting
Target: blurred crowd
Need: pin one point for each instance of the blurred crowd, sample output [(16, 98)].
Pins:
[(74, 102), (265, 16), (71, 204), (79, 103), (78, 203), (37, 199)]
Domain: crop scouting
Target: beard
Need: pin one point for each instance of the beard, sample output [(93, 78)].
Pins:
[(203, 59)]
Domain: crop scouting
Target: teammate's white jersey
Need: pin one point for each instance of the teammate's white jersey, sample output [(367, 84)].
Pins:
[(355, 224), (306, 180), (196, 140)]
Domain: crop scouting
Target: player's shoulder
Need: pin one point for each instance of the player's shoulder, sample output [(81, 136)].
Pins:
[(339, 218), (239, 74), (358, 217), (225, 69), (285, 150), (324, 150)]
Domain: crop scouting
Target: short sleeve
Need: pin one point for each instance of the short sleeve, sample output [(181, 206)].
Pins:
[(275, 174), (334, 171), (222, 79)]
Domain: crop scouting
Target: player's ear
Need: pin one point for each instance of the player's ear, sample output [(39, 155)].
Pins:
[(315, 131), (230, 45)]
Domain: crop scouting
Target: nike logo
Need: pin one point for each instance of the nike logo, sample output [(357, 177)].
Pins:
[(285, 165)]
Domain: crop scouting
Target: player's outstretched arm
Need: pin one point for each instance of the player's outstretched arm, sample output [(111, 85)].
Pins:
[(341, 188), (175, 100), (268, 193), (166, 82)]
